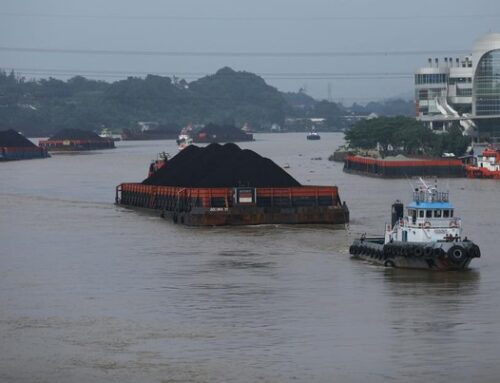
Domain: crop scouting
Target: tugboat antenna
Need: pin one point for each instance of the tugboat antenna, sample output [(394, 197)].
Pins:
[(423, 183), (412, 188)]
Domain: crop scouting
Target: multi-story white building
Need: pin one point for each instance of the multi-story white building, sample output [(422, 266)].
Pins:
[(463, 90)]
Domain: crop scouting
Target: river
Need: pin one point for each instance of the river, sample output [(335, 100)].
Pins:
[(90, 291)]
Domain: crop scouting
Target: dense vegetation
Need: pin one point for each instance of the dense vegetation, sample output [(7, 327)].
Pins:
[(41, 107), (227, 97), (393, 107), (405, 135)]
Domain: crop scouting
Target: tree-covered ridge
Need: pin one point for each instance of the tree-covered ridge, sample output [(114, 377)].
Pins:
[(228, 97), (405, 135), (44, 106), (393, 107)]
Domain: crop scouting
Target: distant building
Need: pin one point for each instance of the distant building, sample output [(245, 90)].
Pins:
[(305, 123), (461, 89), (148, 125)]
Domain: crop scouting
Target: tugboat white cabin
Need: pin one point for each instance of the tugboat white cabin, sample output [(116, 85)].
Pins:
[(430, 218)]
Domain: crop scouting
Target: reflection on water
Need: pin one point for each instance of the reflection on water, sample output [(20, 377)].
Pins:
[(423, 282)]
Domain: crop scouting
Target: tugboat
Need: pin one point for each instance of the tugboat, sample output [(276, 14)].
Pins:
[(161, 160), (429, 236), (487, 165), (313, 135), (185, 137)]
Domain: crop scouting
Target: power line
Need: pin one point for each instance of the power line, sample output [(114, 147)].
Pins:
[(228, 54), (195, 75), (250, 18), (207, 73)]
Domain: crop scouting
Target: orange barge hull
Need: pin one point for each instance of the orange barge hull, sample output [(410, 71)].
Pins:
[(405, 168), (238, 206)]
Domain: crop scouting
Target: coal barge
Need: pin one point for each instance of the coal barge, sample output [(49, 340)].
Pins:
[(14, 146), (429, 236), (225, 185), (75, 140), (212, 133)]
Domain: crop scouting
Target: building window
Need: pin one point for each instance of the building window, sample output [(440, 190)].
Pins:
[(487, 84), (423, 94), (464, 92)]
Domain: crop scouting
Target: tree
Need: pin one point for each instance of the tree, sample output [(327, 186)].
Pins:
[(406, 135)]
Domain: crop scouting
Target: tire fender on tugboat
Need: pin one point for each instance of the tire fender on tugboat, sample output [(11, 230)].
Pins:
[(389, 263), (427, 251), (418, 251), (474, 251), (456, 254)]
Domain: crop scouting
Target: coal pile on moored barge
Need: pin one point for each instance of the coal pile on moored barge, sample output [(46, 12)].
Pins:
[(76, 140), (220, 166), (14, 146)]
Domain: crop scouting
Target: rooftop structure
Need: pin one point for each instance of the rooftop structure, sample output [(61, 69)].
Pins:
[(464, 90)]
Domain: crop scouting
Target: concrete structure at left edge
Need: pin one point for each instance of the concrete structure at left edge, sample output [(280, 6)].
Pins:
[(462, 90)]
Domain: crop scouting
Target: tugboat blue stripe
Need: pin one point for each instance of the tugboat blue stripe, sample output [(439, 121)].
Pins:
[(430, 205)]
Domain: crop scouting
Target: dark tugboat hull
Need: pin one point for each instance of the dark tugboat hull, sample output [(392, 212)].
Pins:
[(441, 256)]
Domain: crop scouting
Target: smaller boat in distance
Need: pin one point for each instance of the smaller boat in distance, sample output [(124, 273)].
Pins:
[(107, 133), (160, 162), (185, 137), (313, 136), (429, 236), (487, 165)]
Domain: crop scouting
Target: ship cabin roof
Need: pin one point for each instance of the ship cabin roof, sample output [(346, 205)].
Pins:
[(423, 211), (430, 205)]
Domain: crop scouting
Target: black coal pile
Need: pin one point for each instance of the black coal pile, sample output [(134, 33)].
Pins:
[(75, 134), (10, 139), (220, 166)]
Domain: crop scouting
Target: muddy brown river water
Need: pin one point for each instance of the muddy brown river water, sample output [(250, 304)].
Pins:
[(93, 292)]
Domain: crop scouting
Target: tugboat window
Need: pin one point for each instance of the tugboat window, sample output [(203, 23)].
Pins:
[(428, 213), (421, 213), (446, 213), (451, 213), (437, 213)]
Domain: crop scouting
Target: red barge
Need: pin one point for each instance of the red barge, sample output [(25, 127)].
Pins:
[(238, 205), (72, 140), (401, 168)]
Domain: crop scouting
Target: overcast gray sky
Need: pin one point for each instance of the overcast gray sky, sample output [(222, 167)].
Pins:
[(356, 50)]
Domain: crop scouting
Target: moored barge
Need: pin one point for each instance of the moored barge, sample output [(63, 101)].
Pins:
[(402, 168)]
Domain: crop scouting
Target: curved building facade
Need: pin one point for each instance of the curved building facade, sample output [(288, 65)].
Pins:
[(464, 91), (486, 82)]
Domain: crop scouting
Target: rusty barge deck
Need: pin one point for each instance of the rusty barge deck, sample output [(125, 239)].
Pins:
[(238, 205)]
